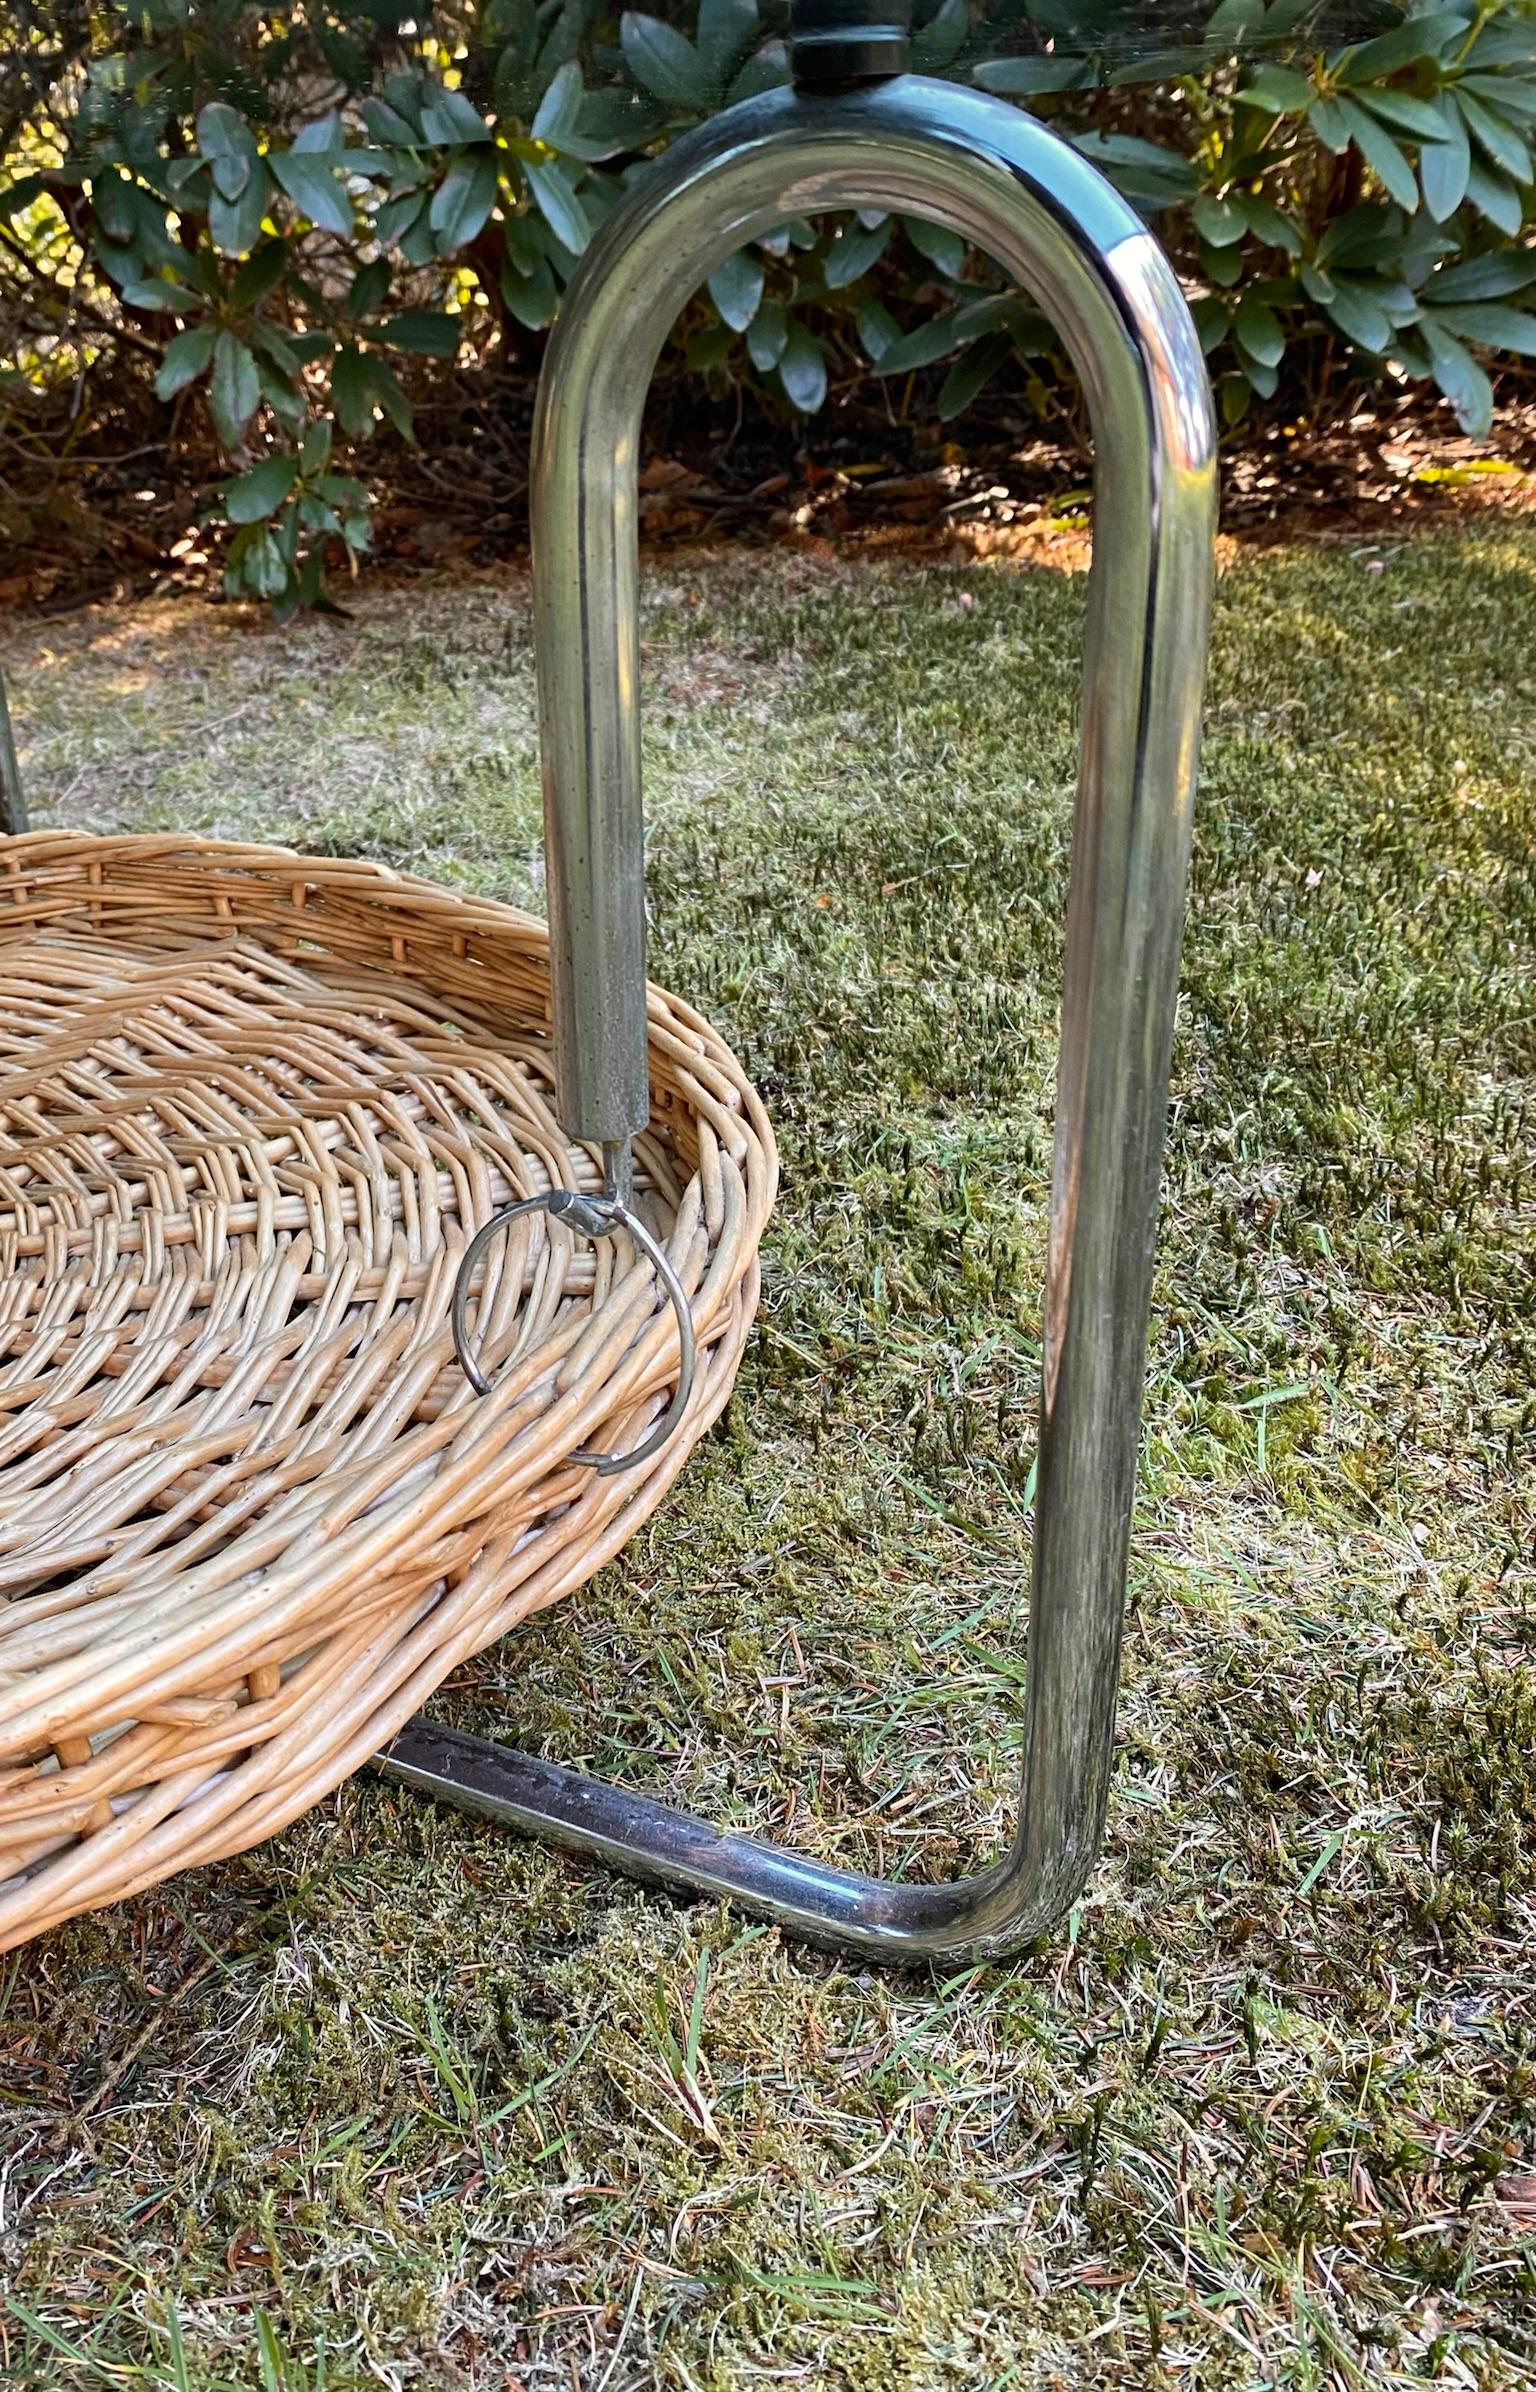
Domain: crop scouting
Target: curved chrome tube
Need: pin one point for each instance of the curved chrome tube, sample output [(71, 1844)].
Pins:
[(1012, 189)]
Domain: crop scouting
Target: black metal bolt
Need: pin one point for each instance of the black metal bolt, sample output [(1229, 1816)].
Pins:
[(837, 45)]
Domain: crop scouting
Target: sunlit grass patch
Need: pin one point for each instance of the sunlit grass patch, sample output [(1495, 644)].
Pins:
[(422, 2104)]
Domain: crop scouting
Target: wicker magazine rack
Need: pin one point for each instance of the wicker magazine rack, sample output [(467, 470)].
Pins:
[(252, 1107)]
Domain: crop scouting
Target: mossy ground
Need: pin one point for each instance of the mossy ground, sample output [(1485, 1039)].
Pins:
[(401, 2100)]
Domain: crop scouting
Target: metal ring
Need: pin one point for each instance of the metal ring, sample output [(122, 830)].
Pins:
[(597, 1217)]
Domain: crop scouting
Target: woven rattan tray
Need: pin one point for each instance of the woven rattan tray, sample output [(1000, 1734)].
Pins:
[(252, 1107)]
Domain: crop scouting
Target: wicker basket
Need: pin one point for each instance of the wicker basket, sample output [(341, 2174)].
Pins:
[(252, 1107)]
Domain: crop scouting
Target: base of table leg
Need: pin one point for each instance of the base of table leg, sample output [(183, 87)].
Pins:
[(985, 1915)]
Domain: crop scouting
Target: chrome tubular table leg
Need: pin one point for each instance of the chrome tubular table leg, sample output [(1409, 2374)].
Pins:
[(1007, 185)]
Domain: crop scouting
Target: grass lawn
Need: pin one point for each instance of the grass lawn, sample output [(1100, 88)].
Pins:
[(401, 2100)]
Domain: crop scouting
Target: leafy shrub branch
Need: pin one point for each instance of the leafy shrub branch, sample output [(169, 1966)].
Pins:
[(270, 208)]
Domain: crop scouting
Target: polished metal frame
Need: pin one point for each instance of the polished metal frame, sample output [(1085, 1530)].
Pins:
[(1011, 188)]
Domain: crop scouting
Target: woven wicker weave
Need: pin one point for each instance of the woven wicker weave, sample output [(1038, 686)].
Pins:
[(252, 1106)]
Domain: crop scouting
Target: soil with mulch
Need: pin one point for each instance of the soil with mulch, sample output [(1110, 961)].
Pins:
[(131, 521)]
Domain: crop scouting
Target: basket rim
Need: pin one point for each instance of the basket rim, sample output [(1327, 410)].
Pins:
[(152, 1711)]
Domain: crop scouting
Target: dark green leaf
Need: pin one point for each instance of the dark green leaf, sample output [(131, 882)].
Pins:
[(556, 113), (1494, 275), (320, 137), (158, 291), (19, 196), (532, 297), (1423, 36), (222, 132), (1510, 94), (1355, 308), (1330, 122), (271, 342), (1495, 137), (449, 118), (611, 122), (515, 84), (186, 357), (463, 199), (767, 334), (1445, 164), (1495, 197), (924, 345), (423, 331), (853, 253), (261, 273), (1509, 40), (766, 70), (996, 313), (937, 44), (370, 288), (350, 393), (255, 566), (1496, 327), (236, 387), (1212, 322), (310, 182), (1160, 66), (1233, 21), (259, 493), (1278, 90), (1461, 378), (342, 490), (315, 448), (662, 62), (1268, 223), (1381, 154), (234, 226), (877, 329), (1219, 221), (388, 126), (803, 370), (1144, 170), (1017, 78), (709, 348), (527, 242), (938, 244), (396, 217), (389, 396), (736, 287), (969, 374), (309, 589), (230, 175), (726, 31), (286, 403), (115, 203), (362, 386), (1259, 330), (559, 206), (1410, 115)]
